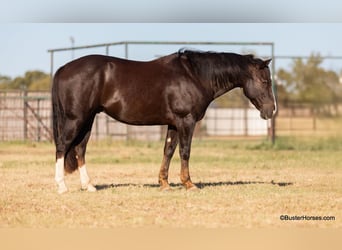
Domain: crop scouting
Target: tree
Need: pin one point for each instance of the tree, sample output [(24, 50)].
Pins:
[(32, 80), (42, 83), (4, 81), (309, 83)]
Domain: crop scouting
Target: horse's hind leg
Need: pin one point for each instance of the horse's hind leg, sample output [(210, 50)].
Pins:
[(63, 144), (59, 173), (70, 147), (171, 142), (80, 155)]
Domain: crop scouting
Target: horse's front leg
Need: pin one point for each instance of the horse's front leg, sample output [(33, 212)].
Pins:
[(185, 132), (171, 142)]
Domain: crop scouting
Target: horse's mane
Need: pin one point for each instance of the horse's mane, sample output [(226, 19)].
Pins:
[(225, 56), (221, 70)]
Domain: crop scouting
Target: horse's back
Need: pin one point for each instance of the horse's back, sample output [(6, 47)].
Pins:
[(82, 66)]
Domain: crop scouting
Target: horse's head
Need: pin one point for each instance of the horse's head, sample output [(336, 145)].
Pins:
[(259, 88)]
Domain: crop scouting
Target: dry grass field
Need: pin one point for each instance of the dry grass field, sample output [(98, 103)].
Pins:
[(242, 184)]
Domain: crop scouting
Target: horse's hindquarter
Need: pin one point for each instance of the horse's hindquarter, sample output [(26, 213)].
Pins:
[(77, 85)]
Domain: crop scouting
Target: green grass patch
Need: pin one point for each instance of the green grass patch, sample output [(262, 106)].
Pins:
[(300, 143)]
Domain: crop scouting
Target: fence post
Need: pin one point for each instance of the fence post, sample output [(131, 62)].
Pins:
[(25, 113), (51, 83), (314, 118), (128, 127), (38, 124), (245, 116), (273, 124)]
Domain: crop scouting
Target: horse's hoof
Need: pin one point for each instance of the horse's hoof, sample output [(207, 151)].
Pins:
[(192, 188), (62, 190), (165, 189), (89, 188)]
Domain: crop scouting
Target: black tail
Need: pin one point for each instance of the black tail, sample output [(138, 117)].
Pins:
[(58, 119)]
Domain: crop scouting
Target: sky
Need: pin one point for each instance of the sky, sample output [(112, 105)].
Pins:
[(29, 28), (24, 46), (170, 11)]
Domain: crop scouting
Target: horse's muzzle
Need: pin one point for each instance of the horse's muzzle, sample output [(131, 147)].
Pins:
[(267, 111)]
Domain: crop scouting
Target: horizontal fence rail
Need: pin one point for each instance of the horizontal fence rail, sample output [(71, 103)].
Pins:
[(27, 116), (111, 128)]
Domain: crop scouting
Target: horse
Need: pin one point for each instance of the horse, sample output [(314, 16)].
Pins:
[(174, 90)]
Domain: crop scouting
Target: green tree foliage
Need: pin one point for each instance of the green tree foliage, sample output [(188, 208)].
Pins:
[(4, 81), (32, 80), (308, 82)]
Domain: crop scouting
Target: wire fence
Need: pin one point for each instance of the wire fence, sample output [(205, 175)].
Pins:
[(27, 116), (304, 119)]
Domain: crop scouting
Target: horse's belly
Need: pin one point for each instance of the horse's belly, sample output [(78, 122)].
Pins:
[(137, 114)]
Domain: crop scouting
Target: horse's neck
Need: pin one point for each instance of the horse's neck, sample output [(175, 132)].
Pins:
[(222, 82), (222, 88)]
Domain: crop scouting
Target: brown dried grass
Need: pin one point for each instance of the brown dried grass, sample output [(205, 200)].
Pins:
[(241, 185)]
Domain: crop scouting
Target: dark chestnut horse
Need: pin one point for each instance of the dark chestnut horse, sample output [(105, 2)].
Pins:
[(174, 90)]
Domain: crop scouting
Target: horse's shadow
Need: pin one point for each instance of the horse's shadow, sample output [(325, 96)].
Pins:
[(200, 185)]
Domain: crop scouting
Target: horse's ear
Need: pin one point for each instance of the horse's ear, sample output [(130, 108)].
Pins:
[(265, 63)]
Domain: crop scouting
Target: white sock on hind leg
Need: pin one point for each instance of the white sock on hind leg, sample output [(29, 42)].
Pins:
[(85, 180), (59, 176)]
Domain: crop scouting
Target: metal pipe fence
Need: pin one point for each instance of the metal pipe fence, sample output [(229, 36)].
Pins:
[(27, 116), (127, 46)]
